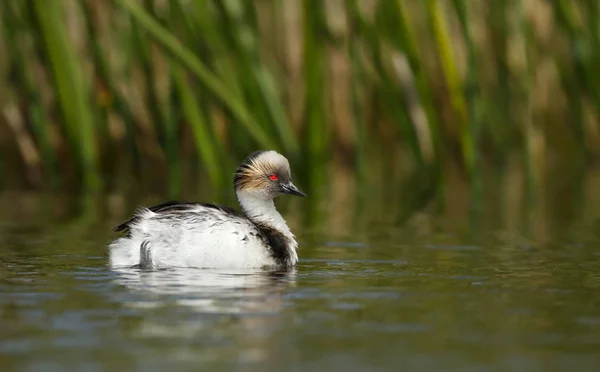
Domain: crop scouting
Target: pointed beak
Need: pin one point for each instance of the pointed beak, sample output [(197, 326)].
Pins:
[(291, 189)]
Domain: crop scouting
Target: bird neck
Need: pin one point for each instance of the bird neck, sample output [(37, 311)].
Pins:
[(262, 211), (266, 217)]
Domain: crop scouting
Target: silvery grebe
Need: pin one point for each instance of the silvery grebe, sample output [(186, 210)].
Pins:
[(179, 234)]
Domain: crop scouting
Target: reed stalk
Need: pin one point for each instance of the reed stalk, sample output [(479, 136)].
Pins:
[(212, 82), (72, 90), (315, 113), (451, 75), (196, 107), (499, 101), (583, 57), (392, 89), (203, 138), (109, 97), (358, 86), (408, 43), (165, 101), (533, 138), (161, 82), (384, 85), (15, 21), (473, 100), (259, 84)]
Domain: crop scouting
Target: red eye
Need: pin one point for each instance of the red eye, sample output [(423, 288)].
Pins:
[(273, 177)]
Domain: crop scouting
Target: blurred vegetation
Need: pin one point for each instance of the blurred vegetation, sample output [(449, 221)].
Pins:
[(98, 95)]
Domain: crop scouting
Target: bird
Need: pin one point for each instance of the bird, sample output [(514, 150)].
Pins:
[(215, 236)]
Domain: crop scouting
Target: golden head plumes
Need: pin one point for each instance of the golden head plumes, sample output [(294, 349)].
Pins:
[(266, 174)]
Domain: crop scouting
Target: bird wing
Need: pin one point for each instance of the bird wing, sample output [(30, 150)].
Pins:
[(170, 207)]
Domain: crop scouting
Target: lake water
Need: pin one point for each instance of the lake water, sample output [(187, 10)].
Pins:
[(438, 292)]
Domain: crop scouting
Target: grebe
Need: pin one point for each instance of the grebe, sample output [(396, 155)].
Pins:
[(201, 235)]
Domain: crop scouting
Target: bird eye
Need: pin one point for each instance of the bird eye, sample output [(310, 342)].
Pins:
[(273, 177)]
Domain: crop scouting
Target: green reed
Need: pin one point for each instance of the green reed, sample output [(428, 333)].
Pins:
[(15, 21), (473, 98), (71, 88), (168, 90)]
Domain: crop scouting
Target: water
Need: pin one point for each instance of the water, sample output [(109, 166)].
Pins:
[(427, 295)]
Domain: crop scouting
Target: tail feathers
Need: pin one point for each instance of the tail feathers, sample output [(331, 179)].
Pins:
[(146, 255)]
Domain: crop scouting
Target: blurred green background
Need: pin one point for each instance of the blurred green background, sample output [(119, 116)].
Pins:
[(170, 95), (449, 150)]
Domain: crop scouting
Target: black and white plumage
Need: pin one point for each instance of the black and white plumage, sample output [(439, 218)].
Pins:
[(178, 234)]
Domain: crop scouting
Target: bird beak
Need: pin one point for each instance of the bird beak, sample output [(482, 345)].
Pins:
[(291, 189)]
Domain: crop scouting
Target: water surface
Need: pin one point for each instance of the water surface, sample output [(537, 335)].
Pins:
[(414, 296)]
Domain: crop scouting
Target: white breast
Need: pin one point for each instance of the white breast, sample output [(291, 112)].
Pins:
[(203, 237)]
